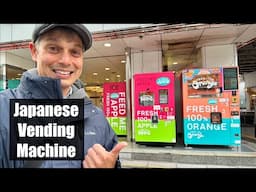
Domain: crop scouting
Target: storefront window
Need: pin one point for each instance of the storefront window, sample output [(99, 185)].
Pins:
[(9, 76), (252, 97)]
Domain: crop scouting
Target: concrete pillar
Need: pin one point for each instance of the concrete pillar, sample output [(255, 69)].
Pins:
[(2, 71), (140, 62), (128, 93), (146, 61), (219, 55)]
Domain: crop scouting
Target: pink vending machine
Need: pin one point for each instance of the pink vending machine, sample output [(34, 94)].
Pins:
[(154, 108), (114, 106), (211, 106)]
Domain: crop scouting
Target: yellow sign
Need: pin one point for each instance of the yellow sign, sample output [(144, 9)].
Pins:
[(234, 99)]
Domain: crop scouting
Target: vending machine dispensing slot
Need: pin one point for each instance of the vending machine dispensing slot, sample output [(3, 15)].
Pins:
[(216, 118)]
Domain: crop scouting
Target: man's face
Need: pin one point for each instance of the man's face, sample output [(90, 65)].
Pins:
[(59, 55)]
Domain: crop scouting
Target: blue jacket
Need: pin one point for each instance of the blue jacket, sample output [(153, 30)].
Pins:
[(32, 86)]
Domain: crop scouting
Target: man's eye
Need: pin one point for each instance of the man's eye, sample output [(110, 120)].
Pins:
[(53, 49), (76, 53)]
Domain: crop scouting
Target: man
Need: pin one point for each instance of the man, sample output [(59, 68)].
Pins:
[(57, 50)]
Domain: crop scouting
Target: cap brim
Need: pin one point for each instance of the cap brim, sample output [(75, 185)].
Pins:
[(80, 29)]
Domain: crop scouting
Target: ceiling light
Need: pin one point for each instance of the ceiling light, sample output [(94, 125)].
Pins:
[(107, 79), (175, 63), (123, 61), (95, 73), (107, 44), (107, 68)]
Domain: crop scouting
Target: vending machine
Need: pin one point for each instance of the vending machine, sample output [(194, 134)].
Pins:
[(114, 106), (154, 108), (211, 106)]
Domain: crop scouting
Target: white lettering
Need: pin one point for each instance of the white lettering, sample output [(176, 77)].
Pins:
[(31, 111), (47, 151), (202, 126), (49, 130), (202, 108)]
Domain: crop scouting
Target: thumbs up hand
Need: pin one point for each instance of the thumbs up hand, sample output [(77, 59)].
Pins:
[(98, 157)]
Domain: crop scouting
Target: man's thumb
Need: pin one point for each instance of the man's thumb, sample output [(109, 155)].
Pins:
[(118, 147)]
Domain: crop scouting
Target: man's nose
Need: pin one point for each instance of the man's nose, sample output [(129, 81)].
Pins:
[(65, 58)]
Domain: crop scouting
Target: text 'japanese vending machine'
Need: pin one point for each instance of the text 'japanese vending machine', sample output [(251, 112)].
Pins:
[(114, 106), (154, 107), (211, 106)]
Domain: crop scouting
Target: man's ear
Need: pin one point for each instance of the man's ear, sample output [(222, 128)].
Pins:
[(33, 51)]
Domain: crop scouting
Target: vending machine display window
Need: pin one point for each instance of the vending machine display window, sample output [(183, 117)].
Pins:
[(146, 98), (230, 78), (216, 118), (203, 85), (163, 96)]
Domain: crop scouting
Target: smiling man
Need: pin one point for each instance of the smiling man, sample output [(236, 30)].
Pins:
[(57, 50)]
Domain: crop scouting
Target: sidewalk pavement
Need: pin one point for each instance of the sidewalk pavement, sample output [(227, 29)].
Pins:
[(143, 156)]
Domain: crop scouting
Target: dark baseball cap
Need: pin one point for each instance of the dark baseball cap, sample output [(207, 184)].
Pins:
[(80, 29)]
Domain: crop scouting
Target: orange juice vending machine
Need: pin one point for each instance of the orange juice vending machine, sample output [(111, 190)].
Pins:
[(154, 108), (211, 106)]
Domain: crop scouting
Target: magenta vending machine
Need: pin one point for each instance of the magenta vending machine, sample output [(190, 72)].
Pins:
[(114, 106), (154, 108)]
